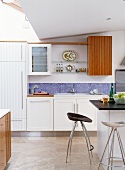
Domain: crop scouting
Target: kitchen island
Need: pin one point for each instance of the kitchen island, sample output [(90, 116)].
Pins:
[(108, 112), (5, 137)]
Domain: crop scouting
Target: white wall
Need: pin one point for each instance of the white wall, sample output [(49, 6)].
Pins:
[(11, 28), (11, 25), (118, 53)]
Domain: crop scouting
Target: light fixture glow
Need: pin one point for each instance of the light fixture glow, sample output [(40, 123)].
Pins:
[(8, 1), (26, 23)]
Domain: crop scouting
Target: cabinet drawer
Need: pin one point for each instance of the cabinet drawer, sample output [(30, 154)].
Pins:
[(2, 127), (2, 154), (2, 165), (2, 160), (2, 142), (2, 122)]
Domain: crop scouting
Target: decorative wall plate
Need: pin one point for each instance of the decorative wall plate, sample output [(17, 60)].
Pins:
[(69, 55)]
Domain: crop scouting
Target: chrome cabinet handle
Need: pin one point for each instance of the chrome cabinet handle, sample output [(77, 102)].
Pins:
[(22, 87), (16, 120), (21, 53), (77, 107), (41, 101), (74, 107)]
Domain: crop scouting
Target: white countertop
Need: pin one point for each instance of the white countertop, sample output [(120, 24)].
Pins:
[(3, 112), (86, 95)]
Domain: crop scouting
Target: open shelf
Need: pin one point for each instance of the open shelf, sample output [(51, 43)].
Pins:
[(69, 62), (60, 43)]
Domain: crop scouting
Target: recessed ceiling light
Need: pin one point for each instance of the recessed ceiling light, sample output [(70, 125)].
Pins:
[(108, 18)]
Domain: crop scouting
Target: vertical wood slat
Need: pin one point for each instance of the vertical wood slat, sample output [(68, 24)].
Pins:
[(8, 135), (2, 144), (100, 55)]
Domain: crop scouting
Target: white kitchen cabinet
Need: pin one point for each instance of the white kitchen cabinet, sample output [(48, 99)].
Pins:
[(61, 107), (80, 105), (12, 51), (39, 114), (39, 59), (87, 109), (13, 84)]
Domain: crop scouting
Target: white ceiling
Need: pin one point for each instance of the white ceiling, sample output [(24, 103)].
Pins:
[(59, 18)]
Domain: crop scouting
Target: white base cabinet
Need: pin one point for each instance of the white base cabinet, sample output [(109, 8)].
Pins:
[(87, 109), (82, 105), (39, 114), (61, 107)]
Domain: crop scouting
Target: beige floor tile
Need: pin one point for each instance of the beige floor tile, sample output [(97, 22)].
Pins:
[(49, 153)]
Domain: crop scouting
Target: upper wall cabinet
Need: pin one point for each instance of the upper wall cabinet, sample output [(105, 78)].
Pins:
[(99, 55), (12, 51), (39, 59)]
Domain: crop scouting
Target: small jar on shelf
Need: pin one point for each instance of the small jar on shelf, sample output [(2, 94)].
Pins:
[(59, 67)]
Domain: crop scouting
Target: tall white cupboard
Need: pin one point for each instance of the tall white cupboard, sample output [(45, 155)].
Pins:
[(13, 82)]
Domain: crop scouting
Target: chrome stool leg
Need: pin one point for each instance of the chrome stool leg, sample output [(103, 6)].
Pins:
[(86, 138), (70, 140), (121, 143), (121, 147), (110, 155), (105, 147), (90, 145)]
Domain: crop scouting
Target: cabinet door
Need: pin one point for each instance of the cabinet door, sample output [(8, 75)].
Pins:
[(12, 51), (100, 55), (61, 108), (13, 92), (39, 59), (39, 114), (85, 108)]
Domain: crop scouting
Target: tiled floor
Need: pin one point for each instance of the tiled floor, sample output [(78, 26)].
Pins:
[(49, 153)]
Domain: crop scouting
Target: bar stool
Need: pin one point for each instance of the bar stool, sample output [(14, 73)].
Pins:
[(114, 131), (77, 117)]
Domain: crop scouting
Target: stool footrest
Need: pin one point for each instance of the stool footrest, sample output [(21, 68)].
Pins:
[(91, 147), (115, 166)]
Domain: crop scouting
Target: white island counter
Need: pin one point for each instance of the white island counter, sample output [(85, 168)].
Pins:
[(109, 113)]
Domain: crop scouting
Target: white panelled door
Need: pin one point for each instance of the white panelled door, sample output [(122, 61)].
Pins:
[(61, 107), (39, 114), (12, 51), (13, 92), (87, 109)]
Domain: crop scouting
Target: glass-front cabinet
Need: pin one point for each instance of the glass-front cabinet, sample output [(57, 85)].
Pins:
[(39, 59)]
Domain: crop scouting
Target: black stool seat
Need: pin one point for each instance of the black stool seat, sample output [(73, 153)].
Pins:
[(78, 117)]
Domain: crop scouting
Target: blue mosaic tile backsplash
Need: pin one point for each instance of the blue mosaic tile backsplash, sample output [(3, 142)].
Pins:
[(53, 88)]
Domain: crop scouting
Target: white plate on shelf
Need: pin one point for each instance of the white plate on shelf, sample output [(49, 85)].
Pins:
[(69, 55)]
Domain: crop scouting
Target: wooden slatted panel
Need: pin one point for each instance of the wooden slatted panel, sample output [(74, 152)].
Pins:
[(100, 55), (8, 136), (2, 144)]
